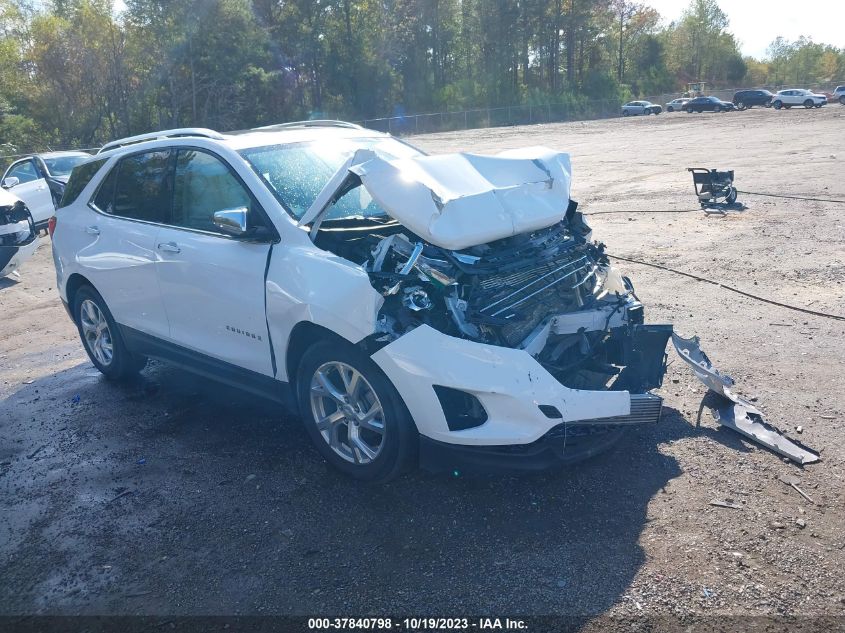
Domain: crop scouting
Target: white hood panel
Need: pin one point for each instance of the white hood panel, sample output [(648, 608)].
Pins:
[(460, 200)]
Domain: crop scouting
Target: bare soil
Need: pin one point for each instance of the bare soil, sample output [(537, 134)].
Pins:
[(174, 495)]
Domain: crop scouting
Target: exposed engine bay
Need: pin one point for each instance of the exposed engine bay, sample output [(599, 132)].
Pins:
[(551, 292), (492, 250)]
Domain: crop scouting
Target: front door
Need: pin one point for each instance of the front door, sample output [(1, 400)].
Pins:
[(212, 284)]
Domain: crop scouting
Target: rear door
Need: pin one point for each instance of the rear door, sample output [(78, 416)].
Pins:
[(118, 238), (32, 189), (212, 284)]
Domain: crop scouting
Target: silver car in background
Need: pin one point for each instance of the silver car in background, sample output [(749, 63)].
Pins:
[(641, 107), (676, 104)]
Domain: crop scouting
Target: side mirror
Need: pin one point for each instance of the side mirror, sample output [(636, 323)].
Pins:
[(10, 182), (232, 221)]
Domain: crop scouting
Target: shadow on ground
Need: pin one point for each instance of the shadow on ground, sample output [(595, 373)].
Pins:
[(175, 495)]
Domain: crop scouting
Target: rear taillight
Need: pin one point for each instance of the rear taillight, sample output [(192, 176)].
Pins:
[(51, 226)]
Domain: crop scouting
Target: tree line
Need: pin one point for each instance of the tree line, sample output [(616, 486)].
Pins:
[(78, 72)]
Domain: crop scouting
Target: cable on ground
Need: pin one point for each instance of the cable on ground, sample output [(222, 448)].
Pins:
[(731, 288)]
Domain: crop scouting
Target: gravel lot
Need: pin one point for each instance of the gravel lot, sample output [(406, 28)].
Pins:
[(174, 495)]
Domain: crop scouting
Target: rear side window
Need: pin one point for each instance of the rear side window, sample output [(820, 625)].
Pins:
[(205, 185), (79, 179), (139, 187)]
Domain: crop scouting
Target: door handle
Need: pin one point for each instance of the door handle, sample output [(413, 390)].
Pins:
[(92, 230), (169, 247)]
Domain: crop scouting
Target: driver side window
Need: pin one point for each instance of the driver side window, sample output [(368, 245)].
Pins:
[(24, 172), (203, 186)]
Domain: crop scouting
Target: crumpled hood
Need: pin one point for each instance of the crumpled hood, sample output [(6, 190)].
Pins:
[(7, 198), (455, 201)]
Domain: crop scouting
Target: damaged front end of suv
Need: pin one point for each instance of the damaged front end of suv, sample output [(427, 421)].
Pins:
[(503, 325)]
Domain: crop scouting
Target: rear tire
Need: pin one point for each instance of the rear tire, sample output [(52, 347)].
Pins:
[(777, 105), (670, 109), (336, 385), (842, 99), (101, 337), (625, 113)]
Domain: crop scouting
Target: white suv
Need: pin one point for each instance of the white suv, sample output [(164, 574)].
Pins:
[(839, 94), (796, 97), (447, 309)]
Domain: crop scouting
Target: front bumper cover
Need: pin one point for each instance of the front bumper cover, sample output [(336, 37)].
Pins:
[(565, 444), (522, 400)]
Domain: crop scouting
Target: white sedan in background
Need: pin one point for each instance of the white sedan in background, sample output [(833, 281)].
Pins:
[(39, 180), (676, 105), (797, 97), (641, 107)]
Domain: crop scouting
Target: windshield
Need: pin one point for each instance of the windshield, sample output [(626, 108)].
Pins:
[(63, 165), (296, 173)]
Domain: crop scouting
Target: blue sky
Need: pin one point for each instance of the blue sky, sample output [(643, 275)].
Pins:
[(755, 23)]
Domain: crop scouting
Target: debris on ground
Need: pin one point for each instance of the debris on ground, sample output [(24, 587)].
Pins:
[(726, 503), (733, 411), (793, 482)]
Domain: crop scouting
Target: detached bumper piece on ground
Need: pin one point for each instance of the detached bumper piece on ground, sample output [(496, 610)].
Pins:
[(735, 412)]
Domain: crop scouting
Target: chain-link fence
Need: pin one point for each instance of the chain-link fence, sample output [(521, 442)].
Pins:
[(408, 124)]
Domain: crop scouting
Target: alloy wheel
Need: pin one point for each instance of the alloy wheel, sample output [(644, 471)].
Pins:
[(95, 330), (347, 412)]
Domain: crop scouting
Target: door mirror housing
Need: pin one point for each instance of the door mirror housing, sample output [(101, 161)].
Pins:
[(10, 182), (232, 221)]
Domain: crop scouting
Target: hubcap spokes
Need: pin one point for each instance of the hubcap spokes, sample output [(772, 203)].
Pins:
[(95, 330), (347, 412)]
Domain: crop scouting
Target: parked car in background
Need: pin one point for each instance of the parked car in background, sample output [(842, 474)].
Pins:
[(40, 180), (18, 238), (676, 104), (749, 98), (641, 107), (839, 94), (796, 97), (707, 104)]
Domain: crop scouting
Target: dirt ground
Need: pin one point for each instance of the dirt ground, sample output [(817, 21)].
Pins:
[(173, 495)]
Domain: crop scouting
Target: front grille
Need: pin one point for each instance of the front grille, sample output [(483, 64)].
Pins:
[(519, 300), (645, 408)]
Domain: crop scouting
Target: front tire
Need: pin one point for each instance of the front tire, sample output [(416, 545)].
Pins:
[(740, 105), (670, 109), (101, 337), (808, 103), (353, 414), (718, 108), (777, 105)]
